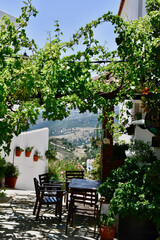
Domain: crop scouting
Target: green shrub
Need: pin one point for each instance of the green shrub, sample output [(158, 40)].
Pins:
[(134, 188), (57, 169), (50, 154), (11, 170), (129, 170), (142, 151), (2, 167)]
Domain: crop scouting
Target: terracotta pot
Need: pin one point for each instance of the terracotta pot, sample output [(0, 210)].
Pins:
[(107, 233), (18, 153), (27, 154), (35, 158), (10, 182)]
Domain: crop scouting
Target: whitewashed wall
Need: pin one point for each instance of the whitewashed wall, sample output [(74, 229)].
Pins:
[(12, 18), (133, 9), (146, 136), (139, 134), (27, 167)]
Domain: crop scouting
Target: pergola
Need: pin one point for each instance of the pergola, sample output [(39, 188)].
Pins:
[(107, 153)]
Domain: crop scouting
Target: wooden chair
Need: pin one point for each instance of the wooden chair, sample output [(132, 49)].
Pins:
[(48, 195), (69, 176), (84, 203), (45, 180)]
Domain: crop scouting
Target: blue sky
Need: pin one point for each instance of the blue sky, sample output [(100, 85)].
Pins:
[(71, 14)]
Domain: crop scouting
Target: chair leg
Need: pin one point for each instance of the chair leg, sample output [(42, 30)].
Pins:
[(67, 201), (68, 219), (66, 228), (35, 206), (94, 229), (56, 209), (39, 208), (68, 216), (60, 210), (72, 220)]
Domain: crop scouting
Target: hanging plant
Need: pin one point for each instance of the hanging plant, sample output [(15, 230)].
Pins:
[(37, 155), (99, 138), (28, 151), (19, 151)]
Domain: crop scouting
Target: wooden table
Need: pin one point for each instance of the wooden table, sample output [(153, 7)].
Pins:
[(83, 199), (84, 184)]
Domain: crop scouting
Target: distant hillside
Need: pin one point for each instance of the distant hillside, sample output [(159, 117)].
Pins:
[(66, 150), (77, 128)]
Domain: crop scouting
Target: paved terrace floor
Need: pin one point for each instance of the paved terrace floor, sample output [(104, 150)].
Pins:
[(18, 222)]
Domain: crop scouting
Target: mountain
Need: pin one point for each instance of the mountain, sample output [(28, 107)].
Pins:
[(76, 128)]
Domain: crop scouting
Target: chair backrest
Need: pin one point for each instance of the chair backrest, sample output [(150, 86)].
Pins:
[(81, 197), (36, 185), (43, 178), (74, 174), (50, 191)]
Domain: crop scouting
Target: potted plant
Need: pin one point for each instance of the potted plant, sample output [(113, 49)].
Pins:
[(130, 129), (19, 151), (2, 171), (36, 156), (11, 173), (28, 151), (107, 228), (134, 194)]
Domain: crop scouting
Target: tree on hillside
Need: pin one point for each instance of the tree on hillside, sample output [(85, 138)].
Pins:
[(56, 82)]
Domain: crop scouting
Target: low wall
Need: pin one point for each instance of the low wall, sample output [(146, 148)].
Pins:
[(27, 167)]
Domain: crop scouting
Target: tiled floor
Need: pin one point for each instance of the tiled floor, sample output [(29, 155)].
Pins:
[(18, 222)]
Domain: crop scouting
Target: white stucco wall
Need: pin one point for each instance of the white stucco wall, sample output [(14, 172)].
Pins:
[(131, 9), (146, 136), (144, 8), (12, 18), (27, 167)]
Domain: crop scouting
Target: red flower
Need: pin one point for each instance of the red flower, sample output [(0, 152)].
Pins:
[(145, 91)]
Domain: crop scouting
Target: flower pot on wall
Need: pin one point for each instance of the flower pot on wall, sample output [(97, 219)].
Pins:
[(10, 182), (27, 154), (35, 158), (18, 153), (28, 151)]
